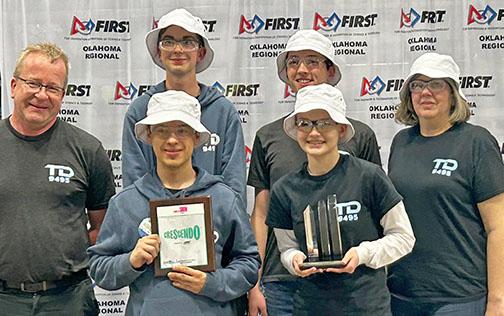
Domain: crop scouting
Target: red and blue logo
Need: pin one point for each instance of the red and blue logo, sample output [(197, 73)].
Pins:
[(252, 26), (409, 19), (127, 92), (374, 86), (82, 27), (288, 92), (334, 22), (257, 24), (485, 16), (330, 23), (101, 26), (248, 155)]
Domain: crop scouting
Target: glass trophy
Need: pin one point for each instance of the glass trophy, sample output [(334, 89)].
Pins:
[(323, 235)]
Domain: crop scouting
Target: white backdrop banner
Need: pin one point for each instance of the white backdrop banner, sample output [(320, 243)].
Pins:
[(375, 42)]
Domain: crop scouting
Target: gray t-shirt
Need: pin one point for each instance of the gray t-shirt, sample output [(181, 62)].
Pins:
[(47, 183), (442, 179), (275, 154)]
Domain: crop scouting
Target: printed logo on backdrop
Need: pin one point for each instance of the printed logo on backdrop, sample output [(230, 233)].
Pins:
[(104, 34), (210, 27), (334, 25), (269, 25), (382, 96), (487, 18), (275, 30), (115, 157), (430, 22), (110, 31), (288, 92), (76, 95), (242, 95), (248, 155), (86, 28), (127, 92), (288, 96), (478, 90), (413, 20)]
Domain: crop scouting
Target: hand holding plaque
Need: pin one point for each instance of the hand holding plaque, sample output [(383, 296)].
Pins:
[(185, 229), (323, 235)]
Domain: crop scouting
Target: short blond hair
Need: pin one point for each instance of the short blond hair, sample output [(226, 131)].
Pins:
[(459, 111), (50, 50)]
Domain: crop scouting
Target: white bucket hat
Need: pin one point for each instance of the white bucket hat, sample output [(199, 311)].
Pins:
[(187, 21), (172, 106), (308, 40), (324, 97), (433, 65)]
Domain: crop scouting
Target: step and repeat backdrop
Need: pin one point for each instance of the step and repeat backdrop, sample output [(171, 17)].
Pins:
[(375, 42)]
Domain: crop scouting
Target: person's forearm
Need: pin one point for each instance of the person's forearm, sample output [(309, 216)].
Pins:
[(397, 242), (495, 257)]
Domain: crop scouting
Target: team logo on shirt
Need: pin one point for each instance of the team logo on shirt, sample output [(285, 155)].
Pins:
[(444, 167), (348, 211), (212, 143), (58, 173)]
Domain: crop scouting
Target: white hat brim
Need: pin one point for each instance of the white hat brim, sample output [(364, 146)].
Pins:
[(290, 128), (142, 127), (151, 40)]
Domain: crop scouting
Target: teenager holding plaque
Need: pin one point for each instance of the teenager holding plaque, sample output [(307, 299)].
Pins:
[(375, 229), (124, 253)]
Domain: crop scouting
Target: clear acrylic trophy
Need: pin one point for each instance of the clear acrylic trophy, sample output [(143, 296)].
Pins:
[(323, 235)]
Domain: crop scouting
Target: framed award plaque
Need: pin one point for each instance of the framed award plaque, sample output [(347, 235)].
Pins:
[(184, 226)]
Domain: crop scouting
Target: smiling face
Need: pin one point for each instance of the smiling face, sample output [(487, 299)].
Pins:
[(173, 144), (302, 76), (432, 106), (315, 143), (179, 62), (36, 111)]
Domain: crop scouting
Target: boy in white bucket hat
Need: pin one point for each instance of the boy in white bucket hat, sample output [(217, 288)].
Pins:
[(375, 230), (125, 250), (308, 59), (179, 45)]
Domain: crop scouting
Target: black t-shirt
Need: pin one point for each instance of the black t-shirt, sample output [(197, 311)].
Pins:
[(46, 184), (364, 194), (442, 179), (275, 154)]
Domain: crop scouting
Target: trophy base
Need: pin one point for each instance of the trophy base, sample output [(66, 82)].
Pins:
[(322, 264)]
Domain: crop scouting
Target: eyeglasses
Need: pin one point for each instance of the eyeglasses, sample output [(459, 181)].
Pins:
[(310, 62), (187, 45), (321, 125), (181, 132), (434, 85), (35, 87)]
